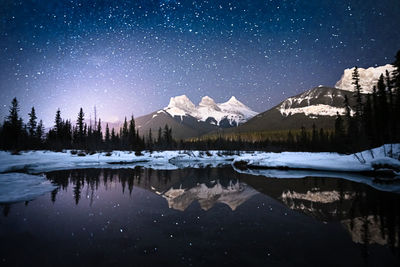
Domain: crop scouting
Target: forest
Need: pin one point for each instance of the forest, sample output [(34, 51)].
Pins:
[(372, 121)]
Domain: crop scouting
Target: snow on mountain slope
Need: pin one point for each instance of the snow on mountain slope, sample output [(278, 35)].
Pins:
[(319, 101), (233, 110), (180, 106), (325, 101), (315, 110), (368, 78)]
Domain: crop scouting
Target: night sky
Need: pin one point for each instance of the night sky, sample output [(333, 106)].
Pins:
[(131, 56)]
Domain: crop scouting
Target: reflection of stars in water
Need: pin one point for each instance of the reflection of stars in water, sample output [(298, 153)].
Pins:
[(133, 56)]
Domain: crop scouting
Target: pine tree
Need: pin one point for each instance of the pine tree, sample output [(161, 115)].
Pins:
[(166, 135), (12, 128), (323, 140), (13, 117), (32, 123), (81, 127), (150, 140), (290, 139), (132, 134), (58, 122), (389, 86), (303, 138), (114, 139), (339, 132), (138, 142), (125, 135), (99, 135), (396, 89), (66, 134), (159, 136), (367, 120), (382, 111), (391, 110), (314, 139), (107, 136), (352, 129), (357, 89), (396, 73), (40, 131), (375, 120)]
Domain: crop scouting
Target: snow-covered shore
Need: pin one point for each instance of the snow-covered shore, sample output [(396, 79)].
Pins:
[(16, 187), (365, 161), (18, 182), (44, 161)]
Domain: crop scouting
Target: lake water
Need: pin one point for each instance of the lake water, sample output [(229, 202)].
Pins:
[(210, 216)]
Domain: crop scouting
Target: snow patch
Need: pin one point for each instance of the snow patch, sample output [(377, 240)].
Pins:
[(302, 104), (324, 161), (44, 161), (16, 187), (319, 110)]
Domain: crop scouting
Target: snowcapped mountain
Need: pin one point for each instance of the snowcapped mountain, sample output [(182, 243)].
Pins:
[(188, 120), (368, 78), (227, 114), (318, 105), (325, 101), (319, 101)]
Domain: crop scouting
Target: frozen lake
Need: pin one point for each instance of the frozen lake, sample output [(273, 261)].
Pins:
[(204, 216)]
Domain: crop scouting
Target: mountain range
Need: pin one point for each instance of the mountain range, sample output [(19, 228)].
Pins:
[(188, 120), (318, 105)]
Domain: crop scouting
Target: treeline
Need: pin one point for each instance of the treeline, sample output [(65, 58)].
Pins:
[(65, 134), (373, 120), (78, 135)]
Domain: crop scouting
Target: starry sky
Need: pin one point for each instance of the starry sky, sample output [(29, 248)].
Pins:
[(130, 57)]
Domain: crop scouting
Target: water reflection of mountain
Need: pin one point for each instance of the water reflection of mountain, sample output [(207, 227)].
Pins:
[(180, 188), (233, 195), (370, 216)]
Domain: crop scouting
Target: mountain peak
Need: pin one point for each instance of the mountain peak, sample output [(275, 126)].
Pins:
[(368, 77), (207, 101), (234, 102), (233, 99), (232, 111), (181, 102)]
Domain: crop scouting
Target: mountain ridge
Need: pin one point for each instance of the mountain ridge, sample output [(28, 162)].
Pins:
[(189, 120)]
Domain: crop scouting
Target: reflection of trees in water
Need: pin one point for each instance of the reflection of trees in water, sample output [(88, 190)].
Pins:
[(378, 214), (374, 218), (91, 179), (6, 209), (370, 216)]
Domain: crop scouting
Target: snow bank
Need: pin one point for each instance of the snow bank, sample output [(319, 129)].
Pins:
[(300, 174), (365, 161), (43, 161), (15, 187)]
